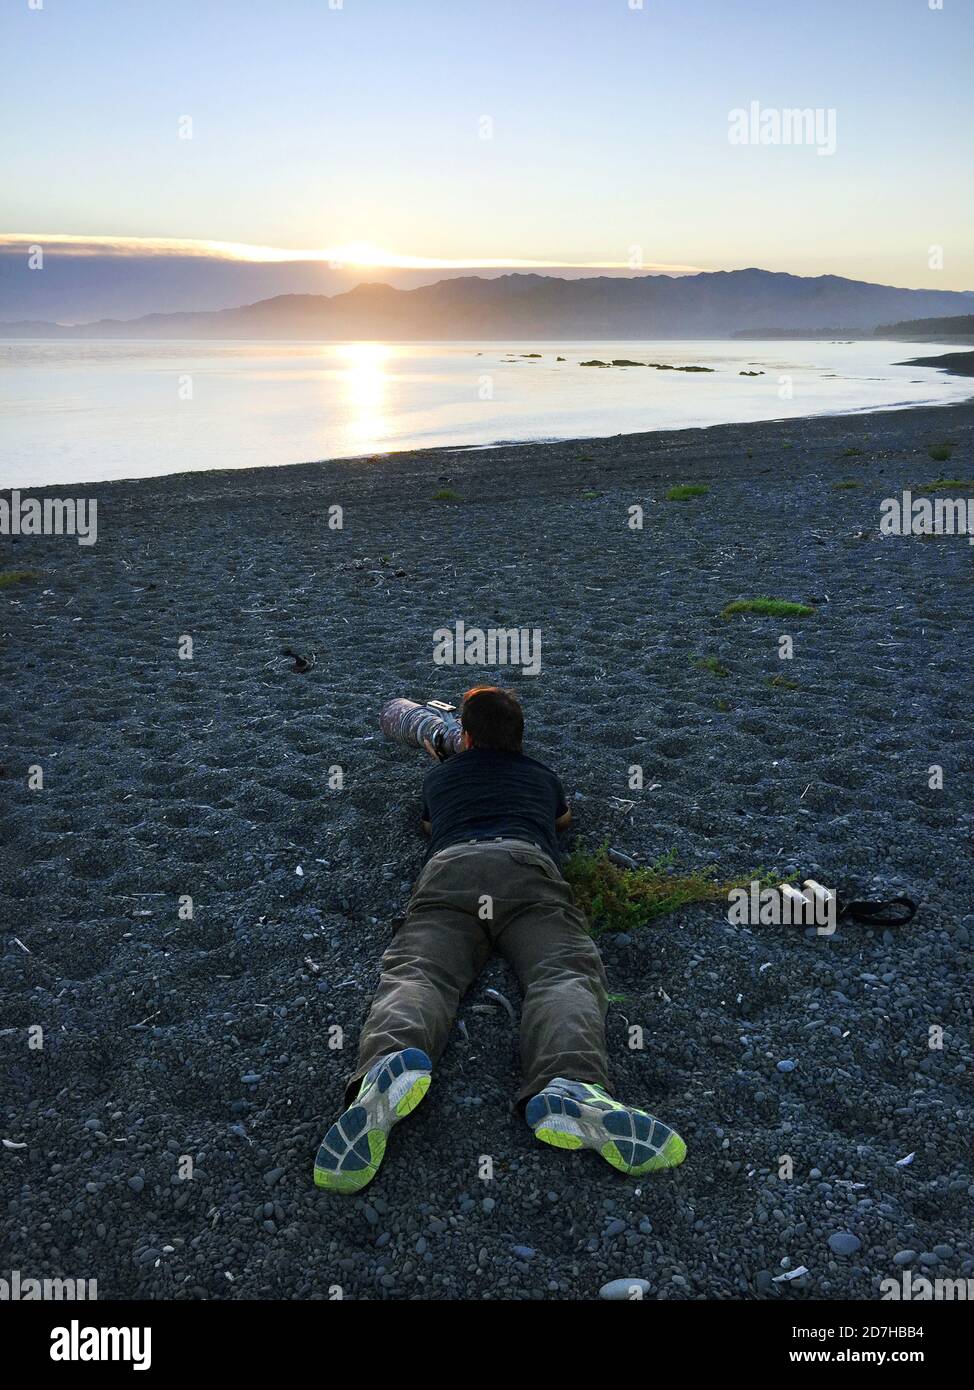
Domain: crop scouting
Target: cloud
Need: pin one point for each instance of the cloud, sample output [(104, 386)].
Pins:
[(352, 254)]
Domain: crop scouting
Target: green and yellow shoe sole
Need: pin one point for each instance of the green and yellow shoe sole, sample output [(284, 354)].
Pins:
[(353, 1149), (576, 1115)]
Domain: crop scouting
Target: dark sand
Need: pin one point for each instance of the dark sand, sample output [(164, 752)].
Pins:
[(209, 1038)]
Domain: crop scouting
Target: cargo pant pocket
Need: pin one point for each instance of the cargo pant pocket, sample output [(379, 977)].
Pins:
[(537, 859)]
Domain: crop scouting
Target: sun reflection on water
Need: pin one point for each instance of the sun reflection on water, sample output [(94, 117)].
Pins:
[(365, 384)]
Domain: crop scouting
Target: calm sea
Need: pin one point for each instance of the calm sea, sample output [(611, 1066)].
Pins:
[(90, 411)]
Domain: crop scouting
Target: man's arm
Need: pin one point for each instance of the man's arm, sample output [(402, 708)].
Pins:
[(563, 814), (424, 807), (424, 817)]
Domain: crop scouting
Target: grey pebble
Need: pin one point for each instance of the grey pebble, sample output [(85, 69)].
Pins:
[(624, 1290)]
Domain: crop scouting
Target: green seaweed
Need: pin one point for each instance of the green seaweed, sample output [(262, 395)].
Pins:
[(768, 608), (711, 664), (615, 899), (684, 491)]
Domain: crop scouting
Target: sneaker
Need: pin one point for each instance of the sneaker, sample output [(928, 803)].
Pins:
[(353, 1148), (577, 1115)]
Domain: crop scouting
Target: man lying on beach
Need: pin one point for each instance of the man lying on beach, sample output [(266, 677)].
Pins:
[(492, 882)]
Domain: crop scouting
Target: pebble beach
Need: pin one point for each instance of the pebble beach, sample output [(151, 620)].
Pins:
[(193, 906)]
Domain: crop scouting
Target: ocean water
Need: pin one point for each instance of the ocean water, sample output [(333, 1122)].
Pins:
[(90, 411)]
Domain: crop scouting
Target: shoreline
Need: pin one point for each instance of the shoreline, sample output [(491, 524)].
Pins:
[(634, 440)]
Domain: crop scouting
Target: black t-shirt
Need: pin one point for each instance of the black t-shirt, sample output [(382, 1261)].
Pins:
[(485, 792)]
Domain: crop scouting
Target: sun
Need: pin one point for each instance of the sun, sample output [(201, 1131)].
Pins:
[(361, 253)]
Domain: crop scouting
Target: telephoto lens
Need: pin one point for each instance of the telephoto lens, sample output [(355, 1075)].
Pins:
[(407, 722)]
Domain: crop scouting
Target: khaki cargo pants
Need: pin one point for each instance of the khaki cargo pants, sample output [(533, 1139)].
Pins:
[(443, 944)]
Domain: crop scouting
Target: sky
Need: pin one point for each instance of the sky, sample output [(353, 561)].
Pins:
[(343, 127)]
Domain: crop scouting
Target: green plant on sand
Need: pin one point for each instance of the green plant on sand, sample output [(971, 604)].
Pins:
[(845, 483), (940, 453), (616, 899), (768, 608), (684, 491), (948, 482), (783, 682), (711, 664), (10, 577), (446, 494)]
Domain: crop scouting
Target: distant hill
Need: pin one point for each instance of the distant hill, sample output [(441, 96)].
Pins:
[(525, 307), (960, 326), (816, 334)]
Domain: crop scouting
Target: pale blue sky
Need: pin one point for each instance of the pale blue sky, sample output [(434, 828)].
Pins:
[(317, 127)]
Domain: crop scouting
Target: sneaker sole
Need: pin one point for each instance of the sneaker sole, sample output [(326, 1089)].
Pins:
[(353, 1149), (630, 1140)]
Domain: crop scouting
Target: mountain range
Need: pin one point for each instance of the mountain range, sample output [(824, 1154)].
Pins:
[(712, 304)]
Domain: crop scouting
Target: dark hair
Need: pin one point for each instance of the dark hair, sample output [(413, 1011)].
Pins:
[(493, 718)]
